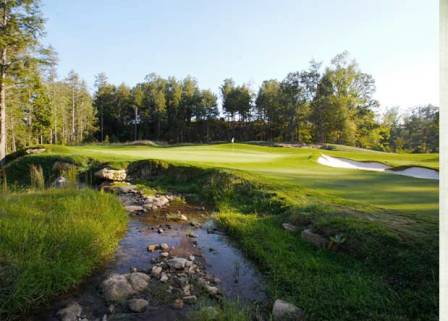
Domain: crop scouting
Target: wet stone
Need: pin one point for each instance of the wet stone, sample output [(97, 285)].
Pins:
[(137, 305), (71, 312)]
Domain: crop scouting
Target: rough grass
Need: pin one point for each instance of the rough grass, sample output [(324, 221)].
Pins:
[(50, 240)]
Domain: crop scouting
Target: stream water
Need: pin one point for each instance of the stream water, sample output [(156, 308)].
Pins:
[(220, 259)]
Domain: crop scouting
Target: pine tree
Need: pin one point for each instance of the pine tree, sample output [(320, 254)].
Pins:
[(21, 24)]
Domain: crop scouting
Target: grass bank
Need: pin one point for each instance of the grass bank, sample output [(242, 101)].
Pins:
[(386, 270), (50, 240)]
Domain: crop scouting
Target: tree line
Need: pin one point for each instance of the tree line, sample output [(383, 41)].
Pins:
[(334, 104)]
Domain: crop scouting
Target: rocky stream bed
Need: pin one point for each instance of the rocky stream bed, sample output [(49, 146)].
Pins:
[(171, 258)]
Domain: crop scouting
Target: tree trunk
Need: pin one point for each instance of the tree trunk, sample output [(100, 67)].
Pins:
[(102, 124), (135, 123), (3, 107), (73, 115)]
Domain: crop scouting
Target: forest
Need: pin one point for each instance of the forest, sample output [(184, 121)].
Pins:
[(332, 104)]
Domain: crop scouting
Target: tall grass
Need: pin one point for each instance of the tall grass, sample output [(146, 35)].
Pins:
[(37, 178), (50, 240)]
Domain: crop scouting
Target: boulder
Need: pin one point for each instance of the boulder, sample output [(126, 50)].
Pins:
[(139, 281), (212, 290), (284, 311), (315, 239), (163, 277), (177, 263), (289, 227), (164, 247), (125, 189), (117, 288), (111, 174), (137, 305), (35, 150), (152, 247), (190, 299), (134, 208), (71, 312), (155, 271), (60, 182)]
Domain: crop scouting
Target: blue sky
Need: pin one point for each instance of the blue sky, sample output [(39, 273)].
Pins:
[(249, 40)]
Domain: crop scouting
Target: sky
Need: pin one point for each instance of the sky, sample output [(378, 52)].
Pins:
[(396, 41)]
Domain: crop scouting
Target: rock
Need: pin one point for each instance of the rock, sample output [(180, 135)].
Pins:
[(137, 305), (163, 277), (314, 238), (35, 150), (283, 311), (71, 312), (117, 288), (183, 217), (178, 304), (139, 281), (155, 271), (111, 174), (212, 290), (164, 247), (60, 182), (191, 235), (125, 189), (111, 308), (152, 247), (289, 227), (177, 263), (160, 230), (187, 290), (164, 254), (134, 208), (190, 299)]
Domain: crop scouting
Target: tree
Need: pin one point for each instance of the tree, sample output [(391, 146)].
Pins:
[(269, 106), (343, 102), (21, 24), (101, 87), (207, 109)]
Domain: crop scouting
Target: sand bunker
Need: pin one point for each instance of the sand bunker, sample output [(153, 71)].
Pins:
[(417, 172)]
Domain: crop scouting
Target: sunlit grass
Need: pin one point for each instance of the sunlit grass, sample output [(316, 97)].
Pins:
[(50, 240)]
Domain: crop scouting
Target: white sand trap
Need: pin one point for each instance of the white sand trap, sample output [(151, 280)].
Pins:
[(417, 172)]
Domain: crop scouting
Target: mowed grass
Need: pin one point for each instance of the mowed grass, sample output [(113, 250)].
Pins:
[(50, 240), (389, 267), (295, 172)]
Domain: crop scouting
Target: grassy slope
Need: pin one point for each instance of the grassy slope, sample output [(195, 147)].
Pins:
[(393, 219), (50, 240)]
